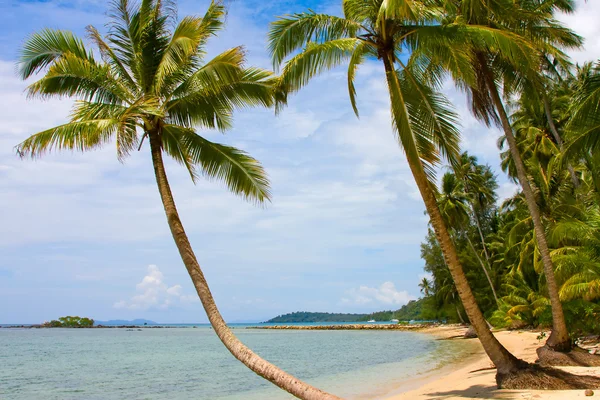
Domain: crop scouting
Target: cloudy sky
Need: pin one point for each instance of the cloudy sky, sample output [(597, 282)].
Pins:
[(86, 235)]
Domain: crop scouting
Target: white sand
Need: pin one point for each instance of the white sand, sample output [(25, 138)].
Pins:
[(459, 381)]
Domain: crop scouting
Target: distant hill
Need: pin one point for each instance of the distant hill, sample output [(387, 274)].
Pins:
[(124, 322), (410, 311), (303, 316), (413, 310)]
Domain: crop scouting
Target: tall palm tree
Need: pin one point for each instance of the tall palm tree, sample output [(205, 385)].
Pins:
[(152, 84), (454, 206), (425, 126), (528, 21), (479, 183)]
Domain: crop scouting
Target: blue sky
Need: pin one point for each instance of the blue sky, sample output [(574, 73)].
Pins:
[(86, 235)]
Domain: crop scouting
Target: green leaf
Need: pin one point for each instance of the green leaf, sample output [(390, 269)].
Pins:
[(47, 46), (242, 174), (291, 33)]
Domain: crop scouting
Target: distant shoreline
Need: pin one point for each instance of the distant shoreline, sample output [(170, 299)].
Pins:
[(325, 326), (346, 327), (37, 326)]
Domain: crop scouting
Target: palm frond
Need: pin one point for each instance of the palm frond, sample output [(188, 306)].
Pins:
[(74, 76), (357, 58), (110, 56), (47, 46), (431, 115), (242, 174), (212, 107), (315, 59), (293, 32), (78, 135)]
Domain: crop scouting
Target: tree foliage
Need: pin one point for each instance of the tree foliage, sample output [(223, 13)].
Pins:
[(71, 322)]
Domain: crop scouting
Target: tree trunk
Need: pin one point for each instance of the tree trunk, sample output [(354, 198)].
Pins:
[(485, 271), (257, 364), (481, 237), (462, 320), (559, 338), (505, 362), (557, 137), (476, 218)]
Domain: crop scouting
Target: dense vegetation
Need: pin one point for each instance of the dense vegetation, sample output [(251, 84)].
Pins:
[(303, 316), (562, 158), (411, 311), (71, 322)]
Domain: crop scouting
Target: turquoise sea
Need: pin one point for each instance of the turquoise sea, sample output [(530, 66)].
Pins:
[(187, 363)]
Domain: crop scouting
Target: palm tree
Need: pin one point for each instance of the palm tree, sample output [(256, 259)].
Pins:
[(527, 21), (585, 121), (454, 206), (152, 84), (425, 286), (425, 126), (479, 183)]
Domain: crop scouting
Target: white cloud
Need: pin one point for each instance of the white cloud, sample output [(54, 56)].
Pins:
[(154, 293), (506, 190), (386, 294)]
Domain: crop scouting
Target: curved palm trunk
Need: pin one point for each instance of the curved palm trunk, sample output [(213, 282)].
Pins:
[(505, 362), (557, 137), (559, 338), (485, 271), (257, 364)]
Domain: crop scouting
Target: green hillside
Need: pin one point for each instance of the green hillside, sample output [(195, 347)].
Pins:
[(411, 311)]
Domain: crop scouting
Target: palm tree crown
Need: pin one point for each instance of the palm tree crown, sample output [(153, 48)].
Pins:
[(152, 80)]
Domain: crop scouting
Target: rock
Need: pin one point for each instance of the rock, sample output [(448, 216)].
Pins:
[(589, 392), (470, 333), (593, 351)]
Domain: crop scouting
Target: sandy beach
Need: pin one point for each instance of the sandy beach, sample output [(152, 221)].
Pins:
[(472, 379)]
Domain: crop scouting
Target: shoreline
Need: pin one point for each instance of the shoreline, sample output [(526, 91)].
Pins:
[(474, 377), (346, 327)]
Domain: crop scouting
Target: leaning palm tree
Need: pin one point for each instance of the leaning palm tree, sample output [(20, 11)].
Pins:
[(526, 21), (421, 118), (152, 84)]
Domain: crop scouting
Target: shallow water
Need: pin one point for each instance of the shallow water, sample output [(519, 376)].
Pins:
[(186, 363)]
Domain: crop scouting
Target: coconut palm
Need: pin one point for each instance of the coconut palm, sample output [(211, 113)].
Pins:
[(153, 83), (585, 121), (454, 206), (531, 21), (383, 30), (425, 287), (480, 185)]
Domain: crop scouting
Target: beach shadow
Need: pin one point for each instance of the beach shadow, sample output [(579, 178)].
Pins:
[(473, 392)]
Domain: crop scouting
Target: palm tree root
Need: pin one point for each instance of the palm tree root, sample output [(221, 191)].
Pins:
[(577, 357), (537, 377)]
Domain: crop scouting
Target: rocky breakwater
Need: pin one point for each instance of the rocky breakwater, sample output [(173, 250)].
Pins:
[(346, 327)]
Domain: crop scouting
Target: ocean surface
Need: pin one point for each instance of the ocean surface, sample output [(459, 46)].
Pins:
[(187, 363)]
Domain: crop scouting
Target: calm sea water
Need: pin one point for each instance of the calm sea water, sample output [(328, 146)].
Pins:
[(186, 363)]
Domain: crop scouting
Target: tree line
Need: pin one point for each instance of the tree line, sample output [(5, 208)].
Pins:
[(147, 82)]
